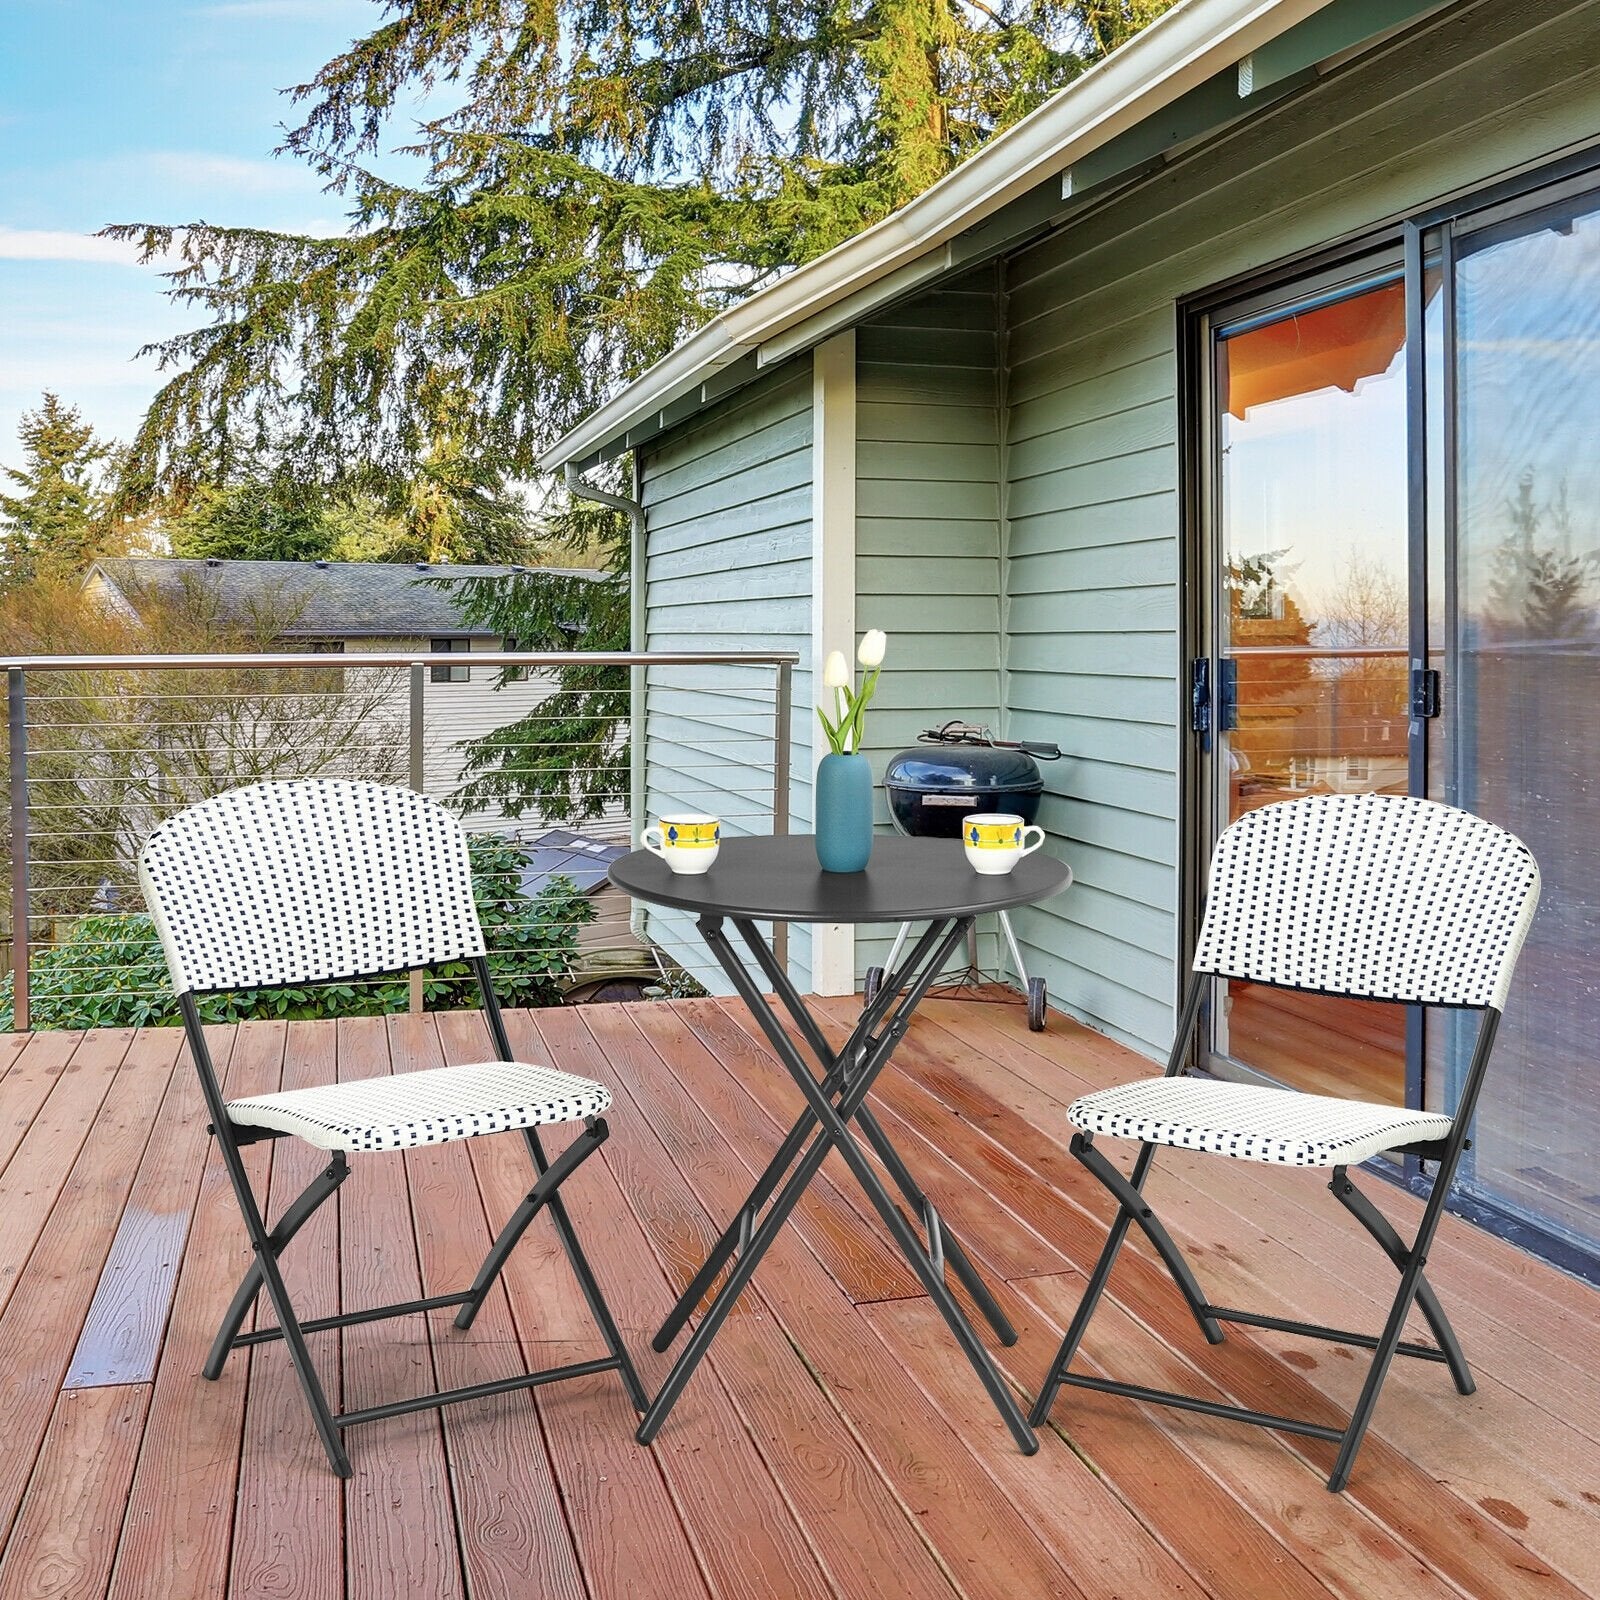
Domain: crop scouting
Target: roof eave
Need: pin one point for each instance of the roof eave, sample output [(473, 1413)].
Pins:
[(1177, 52)]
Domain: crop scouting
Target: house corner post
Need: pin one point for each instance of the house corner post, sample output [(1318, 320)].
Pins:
[(833, 586)]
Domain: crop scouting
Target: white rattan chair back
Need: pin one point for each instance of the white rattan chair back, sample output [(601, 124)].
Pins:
[(301, 881), (1378, 896)]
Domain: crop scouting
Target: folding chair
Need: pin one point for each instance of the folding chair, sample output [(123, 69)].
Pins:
[(1379, 897), (307, 881)]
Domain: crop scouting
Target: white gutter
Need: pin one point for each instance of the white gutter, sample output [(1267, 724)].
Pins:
[(1181, 49)]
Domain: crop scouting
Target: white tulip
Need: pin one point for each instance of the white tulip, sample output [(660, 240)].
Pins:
[(874, 642), (836, 670)]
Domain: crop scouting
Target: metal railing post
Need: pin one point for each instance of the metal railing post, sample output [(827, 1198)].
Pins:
[(414, 732), (17, 721), (782, 717)]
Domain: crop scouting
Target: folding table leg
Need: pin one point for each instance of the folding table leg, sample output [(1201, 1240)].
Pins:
[(737, 1234), (942, 940), (939, 1235), (835, 1119), (960, 1264)]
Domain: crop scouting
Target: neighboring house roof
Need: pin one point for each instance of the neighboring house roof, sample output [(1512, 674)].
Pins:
[(1199, 66), (574, 855), (330, 599)]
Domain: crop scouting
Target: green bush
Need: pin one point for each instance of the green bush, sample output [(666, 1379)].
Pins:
[(108, 971)]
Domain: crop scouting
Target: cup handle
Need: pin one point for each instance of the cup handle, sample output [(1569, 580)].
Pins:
[(1028, 849), (654, 846)]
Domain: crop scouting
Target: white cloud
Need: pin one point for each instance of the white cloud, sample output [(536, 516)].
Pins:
[(200, 169), (56, 244)]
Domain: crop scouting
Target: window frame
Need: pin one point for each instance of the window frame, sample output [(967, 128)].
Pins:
[(450, 672)]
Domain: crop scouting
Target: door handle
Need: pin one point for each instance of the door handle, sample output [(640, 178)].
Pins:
[(1200, 700)]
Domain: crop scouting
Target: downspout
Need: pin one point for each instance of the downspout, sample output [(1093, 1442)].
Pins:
[(636, 642)]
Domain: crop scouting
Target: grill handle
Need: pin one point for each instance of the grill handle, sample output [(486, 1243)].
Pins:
[(972, 733)]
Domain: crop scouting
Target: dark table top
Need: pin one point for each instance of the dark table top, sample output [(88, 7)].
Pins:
[(907, 880)]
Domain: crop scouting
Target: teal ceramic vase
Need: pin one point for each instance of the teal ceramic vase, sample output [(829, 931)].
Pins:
[(844, 812)]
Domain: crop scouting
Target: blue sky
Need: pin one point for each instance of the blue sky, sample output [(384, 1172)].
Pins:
[(137, 110)]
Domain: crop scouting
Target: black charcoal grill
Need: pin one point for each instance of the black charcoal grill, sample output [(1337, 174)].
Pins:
[(954, 771)]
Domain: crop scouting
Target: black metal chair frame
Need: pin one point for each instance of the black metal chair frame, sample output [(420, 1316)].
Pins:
[(268, 1244), (1133, 1208)]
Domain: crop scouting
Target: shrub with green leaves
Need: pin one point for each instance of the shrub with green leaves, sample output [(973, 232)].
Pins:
[(108, 972)]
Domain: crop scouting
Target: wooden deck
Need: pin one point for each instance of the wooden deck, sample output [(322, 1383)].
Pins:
[(834, 1445)]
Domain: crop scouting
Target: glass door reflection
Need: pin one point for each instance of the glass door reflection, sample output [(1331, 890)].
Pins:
[(1312, 617)]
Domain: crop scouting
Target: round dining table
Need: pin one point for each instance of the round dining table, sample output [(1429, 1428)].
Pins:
[(777, 879)]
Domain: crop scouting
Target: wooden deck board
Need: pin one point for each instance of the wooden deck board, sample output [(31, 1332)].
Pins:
[(834, 1446), (288, 1531)]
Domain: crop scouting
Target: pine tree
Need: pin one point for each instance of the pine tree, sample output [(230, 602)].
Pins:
[(1539, 591), (566, 760), (57, 521), (612, 174)]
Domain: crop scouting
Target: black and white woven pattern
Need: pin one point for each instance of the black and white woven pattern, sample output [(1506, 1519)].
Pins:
[(1252, 1122), (428, 1107), (295, 882), (1381, 896)]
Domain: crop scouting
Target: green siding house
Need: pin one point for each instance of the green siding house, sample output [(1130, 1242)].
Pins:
[(1230, 421)]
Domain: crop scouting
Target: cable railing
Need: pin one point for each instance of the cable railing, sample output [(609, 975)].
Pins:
[(543, 755)]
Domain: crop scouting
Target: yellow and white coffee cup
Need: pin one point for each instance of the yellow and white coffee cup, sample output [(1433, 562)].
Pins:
[(687, 841), (996, 841)]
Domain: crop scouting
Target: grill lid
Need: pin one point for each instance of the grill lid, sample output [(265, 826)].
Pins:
[(963, 769)]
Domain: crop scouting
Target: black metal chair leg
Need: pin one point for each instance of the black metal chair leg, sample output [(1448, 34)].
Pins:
[(1381, 1229), (1051, 1386), (1389, 1342), (295, 1216), (277, 1292), (550, 1178), (300, 1359), (1134, 1203), (587, 1282)]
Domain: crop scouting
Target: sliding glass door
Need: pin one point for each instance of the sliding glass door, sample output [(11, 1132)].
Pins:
[(1401, 582), (1519, 742)]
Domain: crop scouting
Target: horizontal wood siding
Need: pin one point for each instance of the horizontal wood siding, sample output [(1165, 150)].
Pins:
[(1091, 470), (728, 567), (928, 523)]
